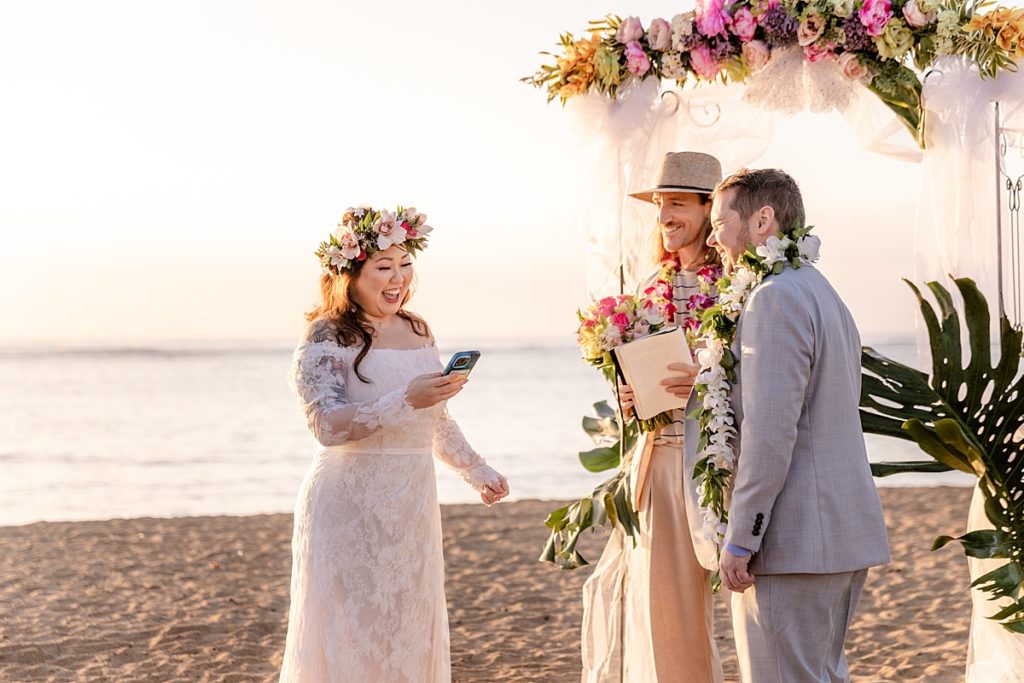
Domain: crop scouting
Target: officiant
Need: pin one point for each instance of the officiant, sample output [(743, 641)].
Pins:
[(672, 560)]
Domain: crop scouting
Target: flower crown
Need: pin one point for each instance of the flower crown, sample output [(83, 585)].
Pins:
[(365, 230)]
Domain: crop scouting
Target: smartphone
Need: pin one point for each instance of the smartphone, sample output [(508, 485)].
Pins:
[(462, 363)]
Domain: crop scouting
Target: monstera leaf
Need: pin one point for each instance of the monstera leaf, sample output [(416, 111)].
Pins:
[(611, 502), (967, 418)]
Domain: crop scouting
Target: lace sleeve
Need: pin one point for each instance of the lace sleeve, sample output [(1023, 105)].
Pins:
[(451, 448), (318, 379)]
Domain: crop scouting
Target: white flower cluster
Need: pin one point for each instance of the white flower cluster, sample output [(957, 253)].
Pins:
[(717, 415), (947, 27), (682, 29), (672, 66)]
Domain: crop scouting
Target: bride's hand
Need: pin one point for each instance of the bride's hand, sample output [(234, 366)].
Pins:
[(428, 390), (494, 491)]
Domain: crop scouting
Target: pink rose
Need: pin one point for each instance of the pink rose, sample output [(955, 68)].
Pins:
[(703, 63), (629, 30), (743, 24), (712, 17), (818, 52), (851, 66), (875, 14), (755, 55), (621, 321), (810, 28), (606, 306), (915, 17), (637, 62), (659, 35)]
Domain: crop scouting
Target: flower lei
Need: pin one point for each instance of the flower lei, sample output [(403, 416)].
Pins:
[(713, 385), (364, 230)]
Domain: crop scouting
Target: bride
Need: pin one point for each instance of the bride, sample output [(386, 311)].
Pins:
[(367, 586)]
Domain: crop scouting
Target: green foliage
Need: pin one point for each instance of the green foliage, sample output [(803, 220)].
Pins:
[(967, 417), (610, 503)]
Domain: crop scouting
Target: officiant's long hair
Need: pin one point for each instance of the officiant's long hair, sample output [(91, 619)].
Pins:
[(348, 319)]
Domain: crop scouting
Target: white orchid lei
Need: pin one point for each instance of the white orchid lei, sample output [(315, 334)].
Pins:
[(364, 230), (717, 458)]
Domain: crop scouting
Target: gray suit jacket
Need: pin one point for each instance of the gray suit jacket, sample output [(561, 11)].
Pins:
[(803, 499)]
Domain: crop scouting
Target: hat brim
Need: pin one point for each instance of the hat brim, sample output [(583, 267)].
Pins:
[(648, 195)]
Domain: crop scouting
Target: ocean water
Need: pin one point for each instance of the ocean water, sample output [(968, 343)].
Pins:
[(97, 433)]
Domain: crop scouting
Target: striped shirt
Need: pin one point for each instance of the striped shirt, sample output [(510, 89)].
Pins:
[(684, 286)]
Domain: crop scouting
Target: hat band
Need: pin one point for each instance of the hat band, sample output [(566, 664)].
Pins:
[(682, 188)]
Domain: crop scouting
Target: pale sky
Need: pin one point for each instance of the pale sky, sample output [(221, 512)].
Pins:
[(166, 170)]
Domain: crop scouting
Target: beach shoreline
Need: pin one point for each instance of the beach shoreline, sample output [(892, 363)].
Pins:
[(206, 598)]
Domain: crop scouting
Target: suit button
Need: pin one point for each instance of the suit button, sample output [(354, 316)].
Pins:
[(757, 532), (760, 517)]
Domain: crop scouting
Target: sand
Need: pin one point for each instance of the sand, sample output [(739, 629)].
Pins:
[(206, 598)]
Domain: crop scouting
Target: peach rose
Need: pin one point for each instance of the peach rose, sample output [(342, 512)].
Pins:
[(851, 66), (756, 54)]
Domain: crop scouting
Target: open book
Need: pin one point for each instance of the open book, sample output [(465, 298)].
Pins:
[(643, 363)]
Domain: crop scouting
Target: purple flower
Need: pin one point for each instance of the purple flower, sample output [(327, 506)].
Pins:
[(691, 324), (856, 33), (699, 302), (779, 27), (721, 49)]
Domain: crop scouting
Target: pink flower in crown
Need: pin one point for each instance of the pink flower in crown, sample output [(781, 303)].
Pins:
[(743, 24), (348, 242), (704, 63), (712, 17), (621, 321), (818, 51), (630, 30), (637, 62), (875, 14), (659, 35), (389, 232)]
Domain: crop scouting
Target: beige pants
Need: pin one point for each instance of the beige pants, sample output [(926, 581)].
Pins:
[(669, 634)]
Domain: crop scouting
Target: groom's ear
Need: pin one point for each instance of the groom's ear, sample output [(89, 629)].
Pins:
[(766, 223)]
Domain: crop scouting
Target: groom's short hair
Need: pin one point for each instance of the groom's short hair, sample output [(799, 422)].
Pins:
[(759, 187)]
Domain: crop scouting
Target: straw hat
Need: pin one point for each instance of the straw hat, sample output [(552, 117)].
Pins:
[(685, 172)]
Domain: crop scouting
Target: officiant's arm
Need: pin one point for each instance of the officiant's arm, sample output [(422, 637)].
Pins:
[(679, 382), (776, 352)]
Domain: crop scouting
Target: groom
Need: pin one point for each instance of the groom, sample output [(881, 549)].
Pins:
[(805, 520)]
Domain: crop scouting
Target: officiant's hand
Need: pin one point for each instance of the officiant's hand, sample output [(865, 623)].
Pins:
[(626, 398), (681, 384), (734, 573)]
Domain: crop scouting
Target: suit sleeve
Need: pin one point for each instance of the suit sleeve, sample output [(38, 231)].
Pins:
[(776, 353)]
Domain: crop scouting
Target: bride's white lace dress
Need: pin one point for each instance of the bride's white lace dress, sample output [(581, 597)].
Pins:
[(367, 586)]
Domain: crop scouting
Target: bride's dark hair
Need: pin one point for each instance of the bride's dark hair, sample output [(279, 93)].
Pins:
[(344, 320)]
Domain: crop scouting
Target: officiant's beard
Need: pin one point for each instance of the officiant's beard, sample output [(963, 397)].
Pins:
[(692, 249)]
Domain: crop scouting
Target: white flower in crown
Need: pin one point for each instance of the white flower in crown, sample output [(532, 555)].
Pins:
[(809, 247), (774, 250), (389, 232), (333, 256)]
